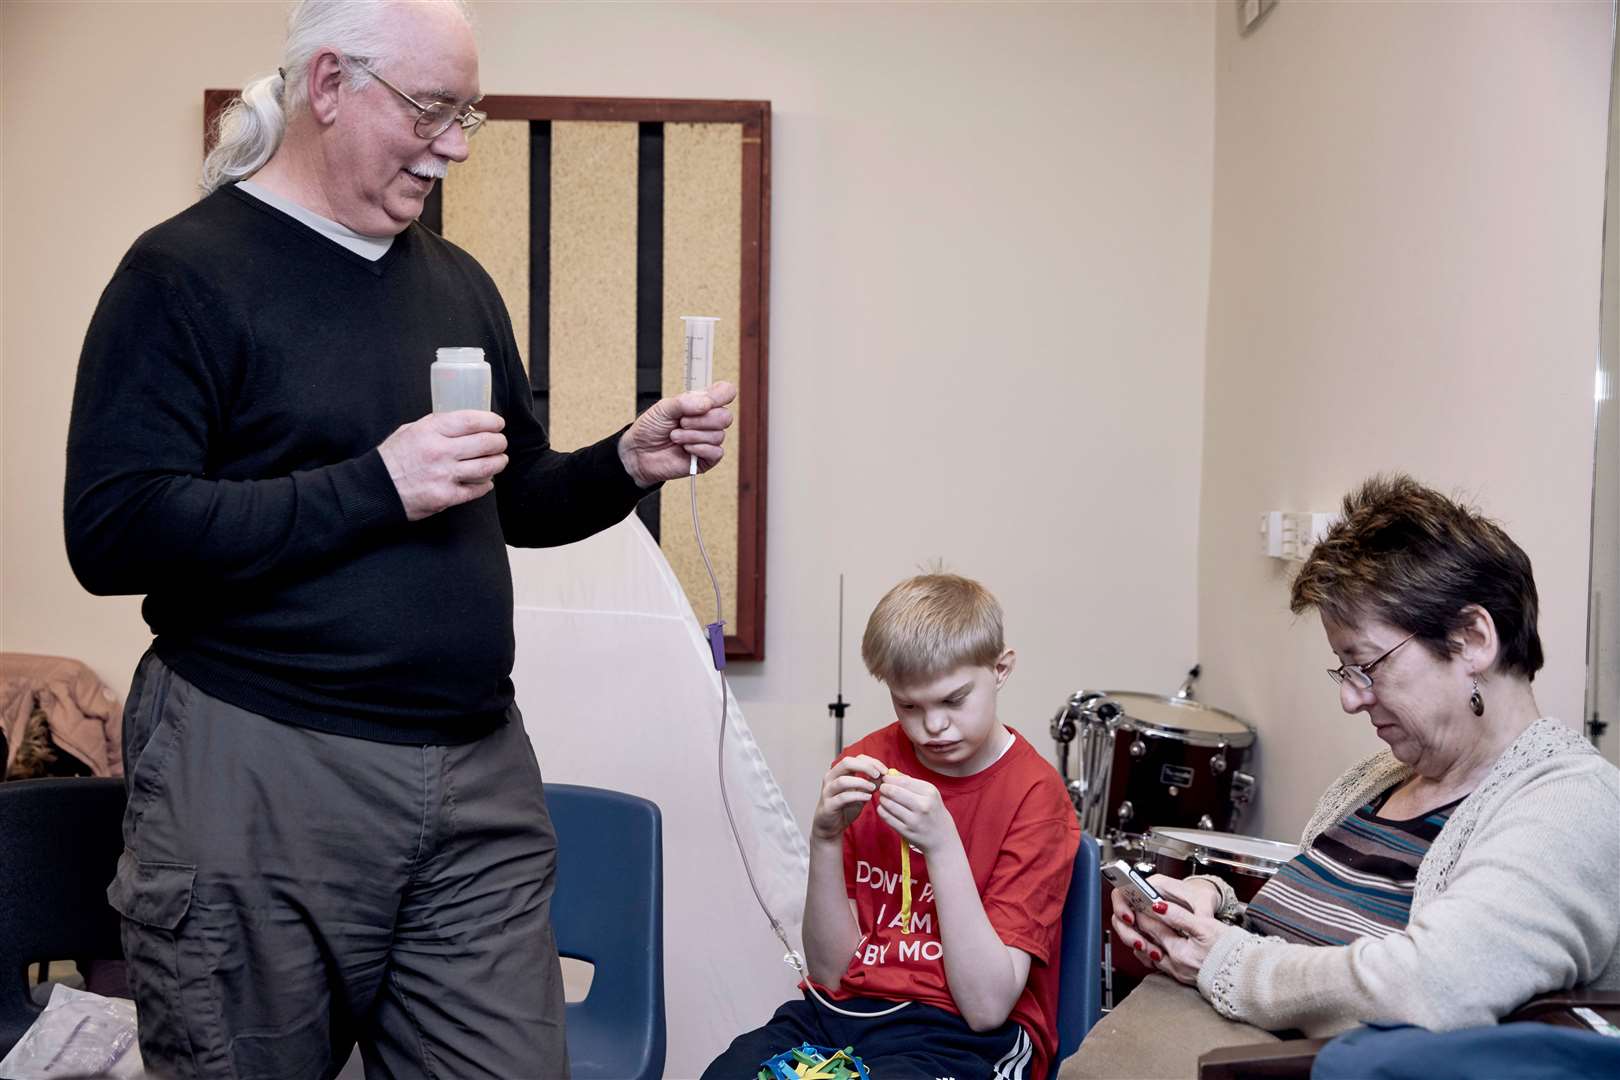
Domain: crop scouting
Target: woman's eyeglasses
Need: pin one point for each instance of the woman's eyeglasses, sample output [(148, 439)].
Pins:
[(1360, 675)]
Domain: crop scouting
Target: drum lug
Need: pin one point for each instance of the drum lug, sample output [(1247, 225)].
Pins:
[(1174, 791), (1217, 763), (1063, 729), (1063, 724), (1242, 793), (1138, 747), (1126, 811), (1206, 824)]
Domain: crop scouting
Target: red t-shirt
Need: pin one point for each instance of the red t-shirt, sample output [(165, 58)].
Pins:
[(1020, 833)]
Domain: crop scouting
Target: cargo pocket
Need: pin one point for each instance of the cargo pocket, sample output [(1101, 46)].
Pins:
[(154, 898), (156, 895)]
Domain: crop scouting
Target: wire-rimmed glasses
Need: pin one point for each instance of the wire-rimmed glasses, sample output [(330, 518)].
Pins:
[(1360, 675), (434, 118)]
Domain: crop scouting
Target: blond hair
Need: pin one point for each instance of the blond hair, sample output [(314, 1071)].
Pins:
[(931, 624)]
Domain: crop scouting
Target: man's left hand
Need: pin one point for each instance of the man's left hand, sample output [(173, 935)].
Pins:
[(659, 446)]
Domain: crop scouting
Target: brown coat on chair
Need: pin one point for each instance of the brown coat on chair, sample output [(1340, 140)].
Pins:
[(62, 702)]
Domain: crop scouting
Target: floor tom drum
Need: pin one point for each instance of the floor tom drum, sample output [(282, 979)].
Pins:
[(1147, 761)]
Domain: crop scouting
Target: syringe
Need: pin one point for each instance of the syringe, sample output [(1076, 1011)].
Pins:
[(699, 358)]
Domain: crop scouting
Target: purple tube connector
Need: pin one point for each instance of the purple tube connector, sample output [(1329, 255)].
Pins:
[(717, 644)]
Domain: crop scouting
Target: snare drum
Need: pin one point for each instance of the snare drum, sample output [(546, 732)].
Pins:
[(1243, 862), (1147, 761)]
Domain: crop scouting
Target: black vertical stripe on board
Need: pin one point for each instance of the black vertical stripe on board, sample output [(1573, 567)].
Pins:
[(540, 268), (433, 208), (650, 287)]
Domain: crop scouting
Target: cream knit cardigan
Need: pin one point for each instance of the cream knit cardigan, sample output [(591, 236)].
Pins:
[(1517, 896)]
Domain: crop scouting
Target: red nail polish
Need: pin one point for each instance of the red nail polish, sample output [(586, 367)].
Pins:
[(1154, 955), (1160, 907), (1137, 945), (1125, 917)]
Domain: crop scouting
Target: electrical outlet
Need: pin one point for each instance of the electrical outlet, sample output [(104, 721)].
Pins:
[(1291, 534), (1271, 533)]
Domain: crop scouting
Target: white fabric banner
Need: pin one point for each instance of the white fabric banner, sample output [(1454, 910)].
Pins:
[(618, 690)]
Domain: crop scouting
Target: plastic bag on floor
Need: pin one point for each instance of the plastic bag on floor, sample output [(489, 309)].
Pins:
[(78, 1034)]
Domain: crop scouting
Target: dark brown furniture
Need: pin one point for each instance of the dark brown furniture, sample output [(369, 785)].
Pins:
[(1291, 1059)]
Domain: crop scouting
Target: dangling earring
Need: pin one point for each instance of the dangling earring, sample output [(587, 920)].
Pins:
[(1475, 702)]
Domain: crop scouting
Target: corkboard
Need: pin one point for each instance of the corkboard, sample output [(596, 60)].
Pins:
[(702, 244), (593, 280), (486, 211)]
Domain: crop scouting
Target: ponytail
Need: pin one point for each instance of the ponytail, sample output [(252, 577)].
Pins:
[(247, 132)]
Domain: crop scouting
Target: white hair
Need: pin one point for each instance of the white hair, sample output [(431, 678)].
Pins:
[(251, 127)]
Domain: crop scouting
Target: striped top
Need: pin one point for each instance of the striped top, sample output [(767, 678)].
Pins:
[(1355, 880)]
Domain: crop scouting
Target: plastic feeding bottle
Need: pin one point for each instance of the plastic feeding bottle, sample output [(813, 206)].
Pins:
[(460, 380)]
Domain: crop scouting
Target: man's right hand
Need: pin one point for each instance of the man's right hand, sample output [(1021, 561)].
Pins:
[(444, 460), (848, 786)]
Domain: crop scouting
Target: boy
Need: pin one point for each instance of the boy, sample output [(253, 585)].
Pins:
[(992, 838)]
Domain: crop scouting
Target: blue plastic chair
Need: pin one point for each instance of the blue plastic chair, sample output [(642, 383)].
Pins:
[(608, 910), (1080, 978)]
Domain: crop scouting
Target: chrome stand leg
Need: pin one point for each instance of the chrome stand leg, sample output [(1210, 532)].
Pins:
[(1108, 972)]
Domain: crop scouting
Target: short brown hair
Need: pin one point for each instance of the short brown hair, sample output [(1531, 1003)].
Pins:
[(931, 624), (1410, 557)]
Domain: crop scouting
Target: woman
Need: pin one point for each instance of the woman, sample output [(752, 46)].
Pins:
[(1473, 864)]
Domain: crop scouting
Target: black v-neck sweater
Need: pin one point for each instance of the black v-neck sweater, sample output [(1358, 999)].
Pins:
[(236, 379)]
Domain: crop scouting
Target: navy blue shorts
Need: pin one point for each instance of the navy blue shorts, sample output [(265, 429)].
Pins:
[(918, 1042)]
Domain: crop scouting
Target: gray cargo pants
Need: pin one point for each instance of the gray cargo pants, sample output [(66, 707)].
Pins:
[(287, 893)]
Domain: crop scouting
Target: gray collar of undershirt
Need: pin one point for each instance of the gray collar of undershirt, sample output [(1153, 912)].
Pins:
[(367, 247)]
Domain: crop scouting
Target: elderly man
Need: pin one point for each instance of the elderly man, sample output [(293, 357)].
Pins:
[(336, 828)]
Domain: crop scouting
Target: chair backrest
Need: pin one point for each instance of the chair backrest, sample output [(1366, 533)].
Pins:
[(1080, 977), (59, 847), (608, 909)]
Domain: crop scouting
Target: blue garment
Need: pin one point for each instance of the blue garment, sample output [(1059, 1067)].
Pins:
[(1527, 1051)]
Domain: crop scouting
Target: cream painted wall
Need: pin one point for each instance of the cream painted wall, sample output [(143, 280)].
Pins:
[(102, 140), (1408, 216), (990, 255)]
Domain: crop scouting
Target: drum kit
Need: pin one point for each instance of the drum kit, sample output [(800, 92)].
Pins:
[(1160, 783)]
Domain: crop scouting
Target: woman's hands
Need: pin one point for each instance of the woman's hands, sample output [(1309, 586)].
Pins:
[(1169, 938)]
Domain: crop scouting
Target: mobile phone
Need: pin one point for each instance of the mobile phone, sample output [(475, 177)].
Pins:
[(1139, 894)]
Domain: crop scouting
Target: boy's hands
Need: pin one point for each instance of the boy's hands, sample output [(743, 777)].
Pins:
[(913, 808), (848, 787)]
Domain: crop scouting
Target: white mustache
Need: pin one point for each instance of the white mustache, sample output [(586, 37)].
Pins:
[(429, 169)]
